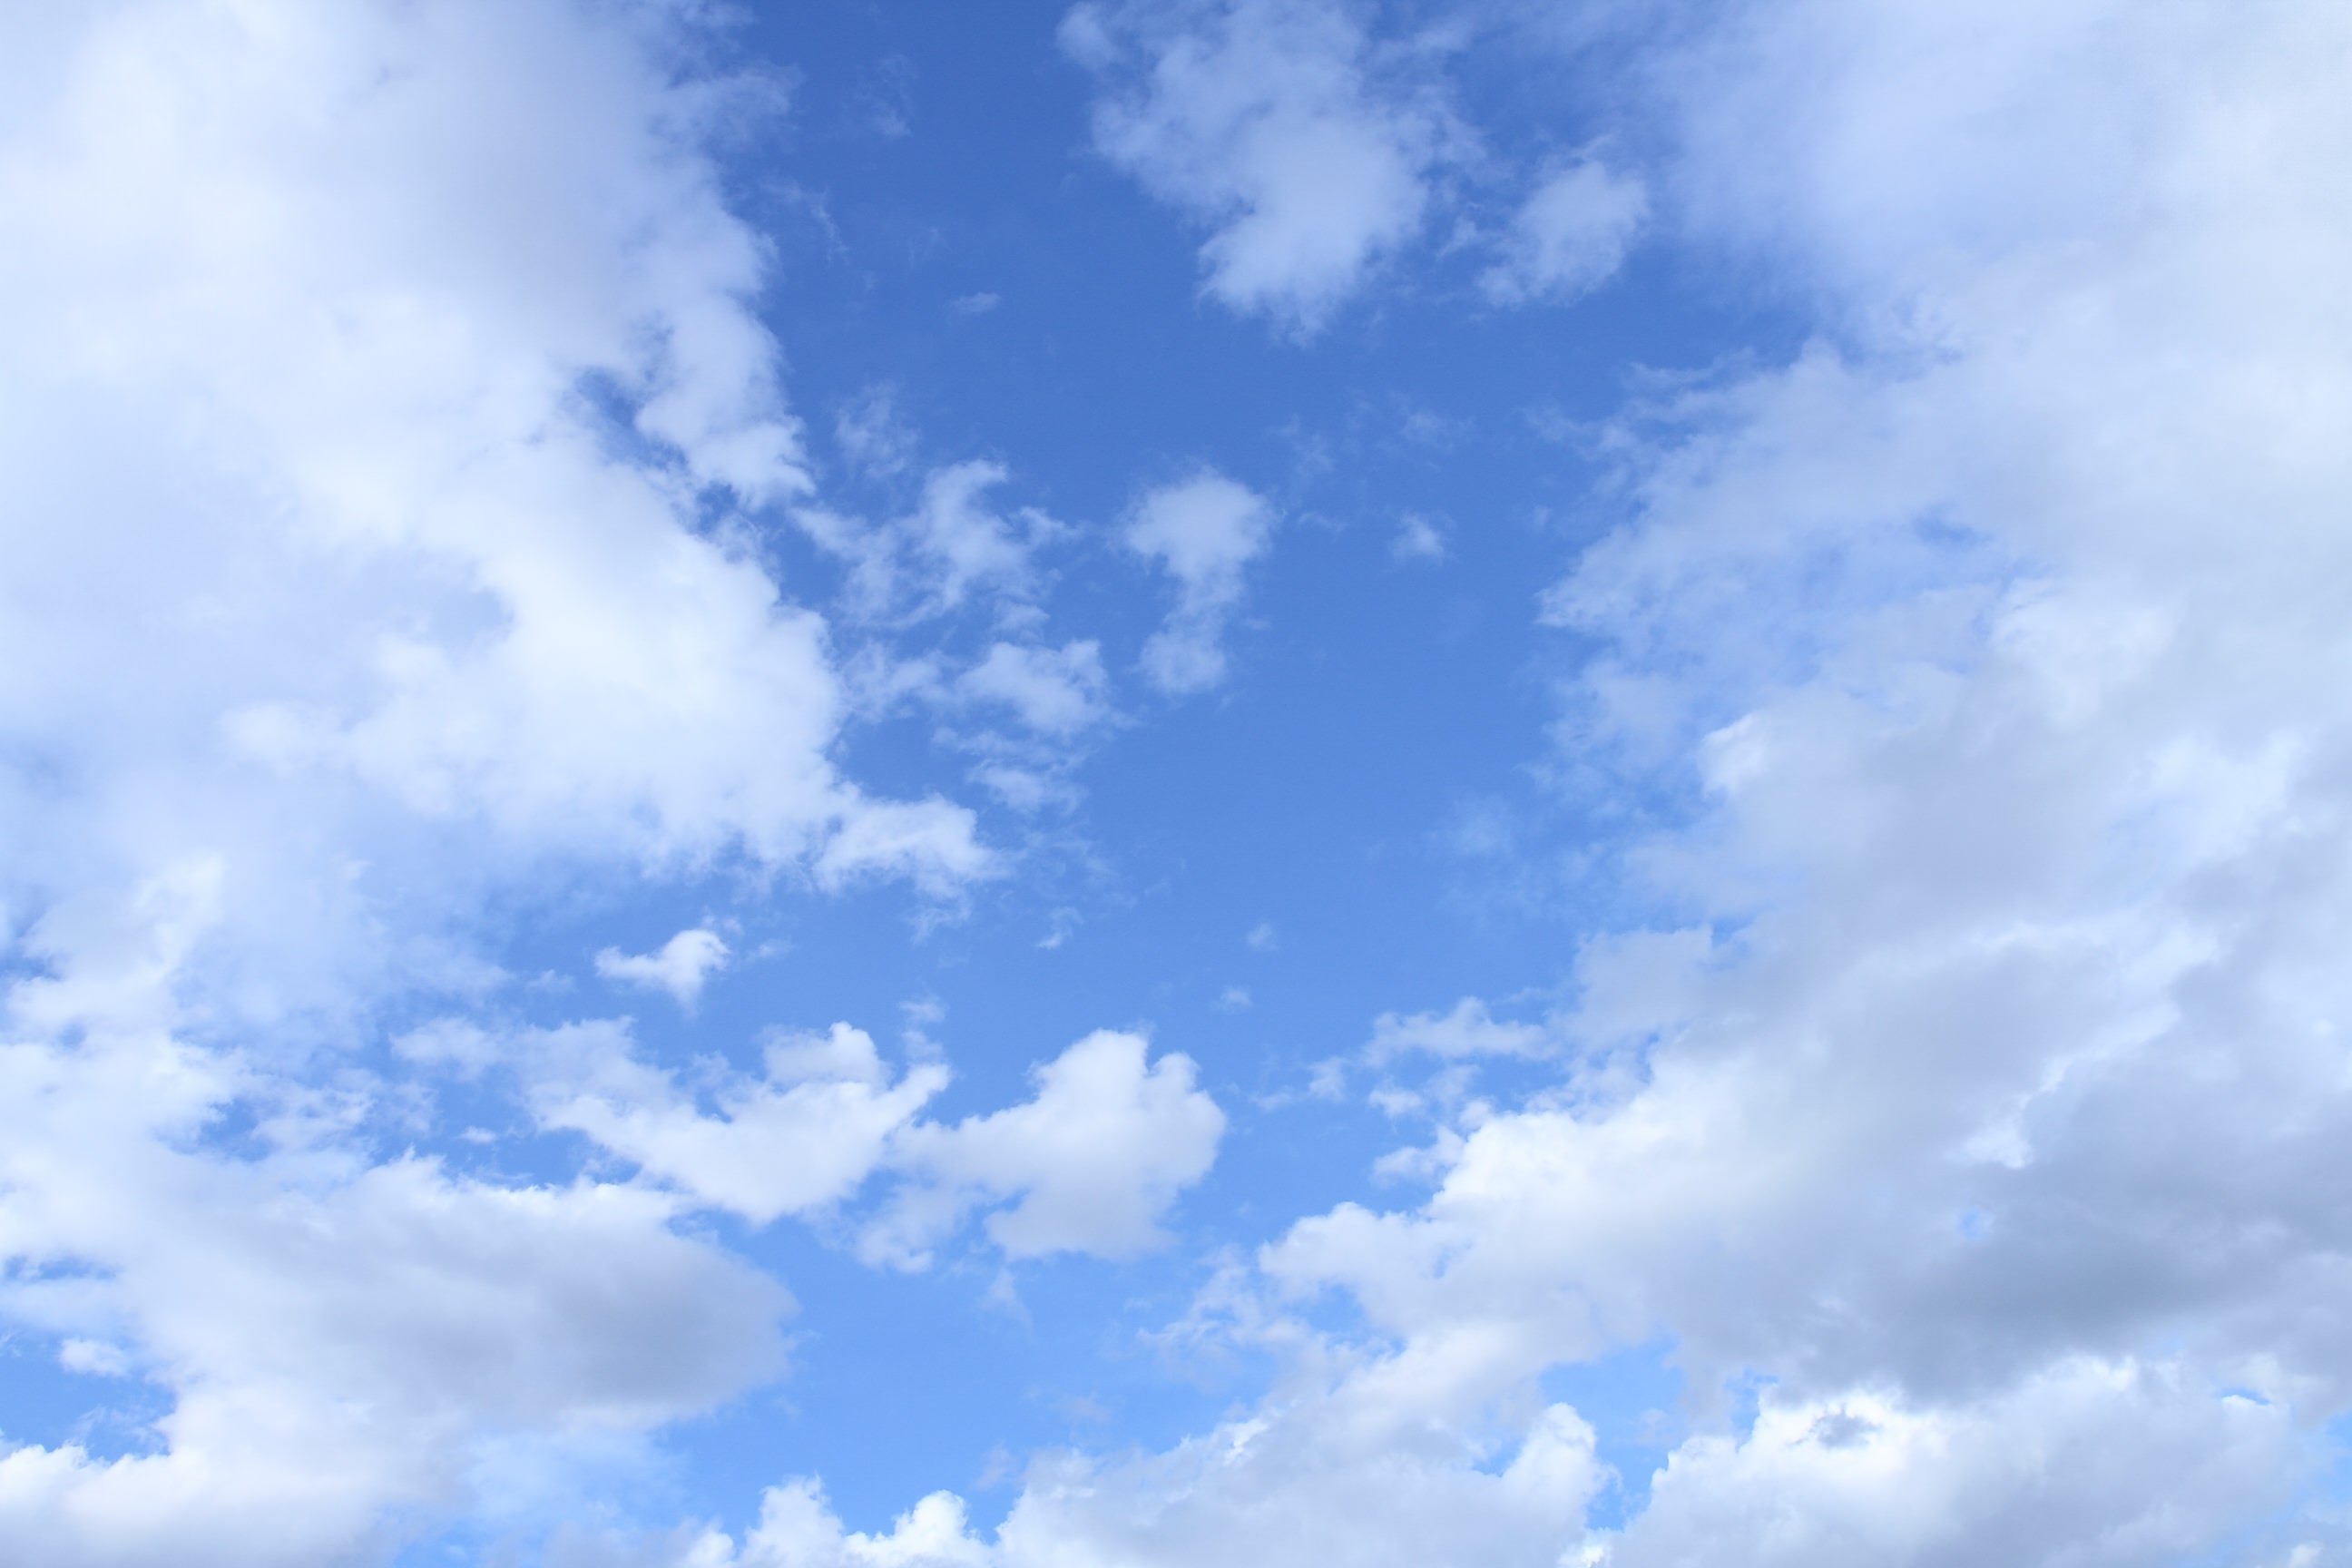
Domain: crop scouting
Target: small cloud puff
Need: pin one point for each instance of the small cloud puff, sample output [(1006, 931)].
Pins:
[(1204, 531), (681, 966), (1469, 1030), (1569, 238), (1053, 692), (1417, 539)]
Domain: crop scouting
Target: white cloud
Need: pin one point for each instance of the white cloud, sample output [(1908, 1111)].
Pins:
[(872, 435), (406, 608), (386, 391), (1468, 1030), (800, 1138), (1089, 1165), (1990, 1095), (1984, 1104), (1055, 692), (1332, 1476), (926, 842), (796, 1527), (1570, 236), (2058, 1470), (681, 966), (1028, 714), (1985, 1099), (1343, 1474), (1278, 124), (336, 1339), (951, 549), (1417, 539), (1204, 531)]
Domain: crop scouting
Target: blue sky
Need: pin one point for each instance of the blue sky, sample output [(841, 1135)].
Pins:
[(867, 785)]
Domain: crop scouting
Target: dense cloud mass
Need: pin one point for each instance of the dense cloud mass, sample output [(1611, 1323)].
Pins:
[(1931, 1060)]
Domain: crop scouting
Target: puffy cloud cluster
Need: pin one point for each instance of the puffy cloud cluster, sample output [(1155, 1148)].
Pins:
[(1982, 1087), (2084, 1462), (1318, 151), (1976, 1097), (1344, 1480), (328, 559), (1089, 1165), (342, 1342), (388, 430), (1979, 1094)]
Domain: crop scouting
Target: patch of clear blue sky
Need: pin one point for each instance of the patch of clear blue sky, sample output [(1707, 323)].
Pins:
[(935, 152)]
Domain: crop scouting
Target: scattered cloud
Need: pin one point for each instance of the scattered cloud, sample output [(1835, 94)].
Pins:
[(1468, 1030), (1057, 692), (1417, 540), (1276, 124), (1947, 1067), (952, 548), (797, 1140), (679, 967), (1569, 238), (1090, 1165), (1202, 532)]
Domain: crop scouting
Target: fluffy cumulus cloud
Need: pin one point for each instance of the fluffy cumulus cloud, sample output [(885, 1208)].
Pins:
[(1088, 1165), (1278, 124), (1987, 1103), (798, 1138), (386, 398), (407, 589), (340, 1339), (1950, 1084), (2081, 1463), (1202, 532), (1342, 1480)]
